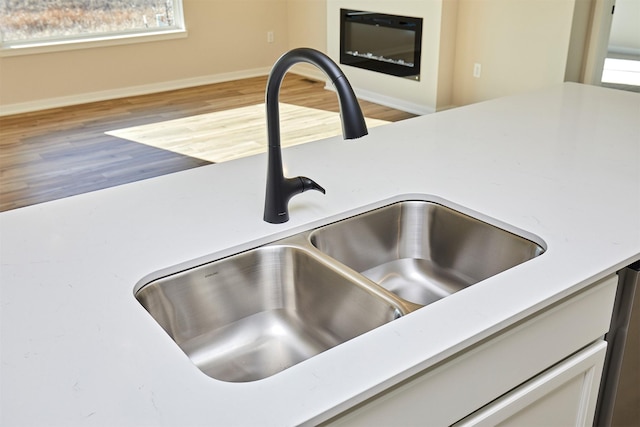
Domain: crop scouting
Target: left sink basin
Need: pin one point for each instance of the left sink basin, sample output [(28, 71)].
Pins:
[(254, 314)]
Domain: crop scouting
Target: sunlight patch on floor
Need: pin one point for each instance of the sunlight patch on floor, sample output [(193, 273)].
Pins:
[(239, 132)]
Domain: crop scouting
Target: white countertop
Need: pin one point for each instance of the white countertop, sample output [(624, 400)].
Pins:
[(78, 349)]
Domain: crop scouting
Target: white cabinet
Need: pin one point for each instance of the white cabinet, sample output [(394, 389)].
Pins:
[(529, 370), (565, 395)]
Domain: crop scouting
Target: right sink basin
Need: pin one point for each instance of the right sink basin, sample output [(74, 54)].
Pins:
[(422, 251)]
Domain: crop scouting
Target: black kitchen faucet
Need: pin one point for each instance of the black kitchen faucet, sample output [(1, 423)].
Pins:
[(279, 188)]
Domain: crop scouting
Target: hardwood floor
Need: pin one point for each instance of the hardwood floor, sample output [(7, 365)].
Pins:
[(61, 152), (226, 135)]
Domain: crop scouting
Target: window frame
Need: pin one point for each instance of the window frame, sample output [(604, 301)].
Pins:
[(85, 41)]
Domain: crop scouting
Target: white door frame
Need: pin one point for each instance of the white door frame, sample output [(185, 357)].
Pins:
[(598, 43)]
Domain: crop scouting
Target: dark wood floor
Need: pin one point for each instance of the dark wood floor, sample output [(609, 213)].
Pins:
[(62, 152)]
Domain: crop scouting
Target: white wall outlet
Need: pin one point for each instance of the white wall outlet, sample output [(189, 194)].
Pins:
[(269, 36), (477, 70)]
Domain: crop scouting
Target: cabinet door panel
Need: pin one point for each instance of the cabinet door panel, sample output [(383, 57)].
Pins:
[(561, 396)]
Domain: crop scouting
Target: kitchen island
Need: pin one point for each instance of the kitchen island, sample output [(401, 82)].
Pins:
[(559, 165)]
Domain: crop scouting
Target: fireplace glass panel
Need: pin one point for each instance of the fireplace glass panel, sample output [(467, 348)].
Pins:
[(383, 43)]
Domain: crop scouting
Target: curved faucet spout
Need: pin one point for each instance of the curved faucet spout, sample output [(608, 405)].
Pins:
[(281, 189)]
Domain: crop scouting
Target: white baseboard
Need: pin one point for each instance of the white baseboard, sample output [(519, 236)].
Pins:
[(84, 98), (64, 101), (389, 101), (366, 95), (309, 71), (447, 107)]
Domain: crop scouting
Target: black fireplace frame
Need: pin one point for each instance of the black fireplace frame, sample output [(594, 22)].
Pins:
[(407, 70)]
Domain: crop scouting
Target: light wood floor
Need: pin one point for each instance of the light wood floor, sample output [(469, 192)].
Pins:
[(239, 132), (62, 152)]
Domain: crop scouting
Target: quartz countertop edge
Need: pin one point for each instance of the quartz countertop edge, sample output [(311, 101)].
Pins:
[(560, 164)]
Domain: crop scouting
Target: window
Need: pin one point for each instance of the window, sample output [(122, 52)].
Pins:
[(27, 23)]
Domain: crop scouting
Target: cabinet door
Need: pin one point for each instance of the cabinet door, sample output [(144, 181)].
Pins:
[(564, 395), (479, 375)]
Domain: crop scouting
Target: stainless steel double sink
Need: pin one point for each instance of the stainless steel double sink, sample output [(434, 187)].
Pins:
[(251, 315)]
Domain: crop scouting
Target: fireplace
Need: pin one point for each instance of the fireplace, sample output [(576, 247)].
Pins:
[(379, 42)]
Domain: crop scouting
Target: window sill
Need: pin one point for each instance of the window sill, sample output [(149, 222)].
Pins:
[(112, 40)]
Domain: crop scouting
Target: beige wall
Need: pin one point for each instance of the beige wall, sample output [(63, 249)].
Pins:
[(307, 27), (218, 44), (307, 24), (521, 45)]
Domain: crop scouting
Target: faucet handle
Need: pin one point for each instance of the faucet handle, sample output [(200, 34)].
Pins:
[(309, 184)]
